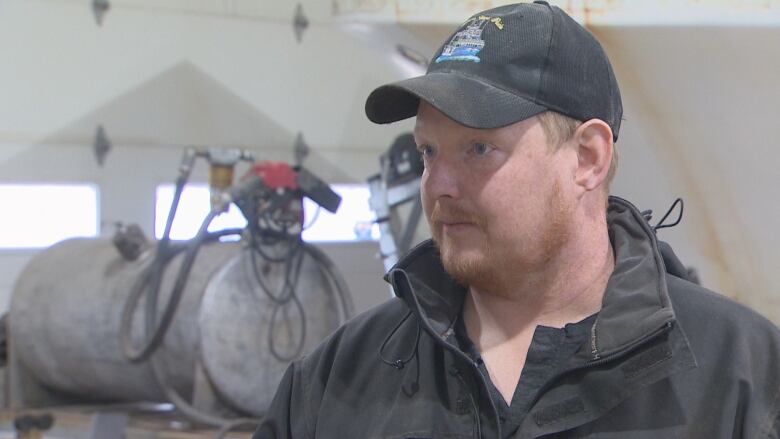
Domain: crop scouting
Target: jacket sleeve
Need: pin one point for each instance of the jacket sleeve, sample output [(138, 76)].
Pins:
[(285, 418)]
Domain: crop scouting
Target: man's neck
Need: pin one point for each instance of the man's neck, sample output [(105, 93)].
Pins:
[(569, 289)]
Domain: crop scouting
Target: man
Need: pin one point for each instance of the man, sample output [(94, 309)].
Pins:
[(536, 311)]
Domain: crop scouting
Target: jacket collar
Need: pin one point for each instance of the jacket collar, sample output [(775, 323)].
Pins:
[(636, 301)]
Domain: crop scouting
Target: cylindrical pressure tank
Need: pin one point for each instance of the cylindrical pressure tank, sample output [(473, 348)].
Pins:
[(64, 322)]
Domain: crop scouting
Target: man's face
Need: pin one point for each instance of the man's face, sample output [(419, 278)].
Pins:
[(495, 200)]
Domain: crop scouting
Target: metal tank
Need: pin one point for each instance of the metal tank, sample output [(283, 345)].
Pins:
[(229, 339)]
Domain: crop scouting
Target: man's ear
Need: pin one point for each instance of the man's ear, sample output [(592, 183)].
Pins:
[(593, 143)]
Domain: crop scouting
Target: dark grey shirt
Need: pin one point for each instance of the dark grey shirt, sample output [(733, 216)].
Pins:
[(549, 350)]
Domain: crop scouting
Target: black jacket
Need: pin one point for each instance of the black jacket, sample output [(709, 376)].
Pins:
[(666, 359)]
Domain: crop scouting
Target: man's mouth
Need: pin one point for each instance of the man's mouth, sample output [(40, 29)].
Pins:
[(456, 223), (451, 227), (454, 220), (450, 221)]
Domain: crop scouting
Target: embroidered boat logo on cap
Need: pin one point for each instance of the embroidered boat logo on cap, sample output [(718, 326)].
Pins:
[(468, 42)]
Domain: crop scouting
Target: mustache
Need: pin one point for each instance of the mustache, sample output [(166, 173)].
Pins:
[(455, 214)]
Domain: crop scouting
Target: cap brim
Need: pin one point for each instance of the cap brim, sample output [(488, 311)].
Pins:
[(466, 100)]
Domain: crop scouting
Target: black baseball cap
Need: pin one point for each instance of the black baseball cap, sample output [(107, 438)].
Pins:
[(505, 65)]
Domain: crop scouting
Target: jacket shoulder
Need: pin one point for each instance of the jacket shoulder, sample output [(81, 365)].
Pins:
[(381, 317), (347, 360), (337, 369), (727, 338), (696, 306), (737, 351), (356, 342)]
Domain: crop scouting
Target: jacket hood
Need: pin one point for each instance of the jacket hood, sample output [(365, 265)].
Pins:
[(636, 301)]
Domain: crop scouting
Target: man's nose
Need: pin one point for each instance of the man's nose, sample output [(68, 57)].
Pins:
[(442, 179)]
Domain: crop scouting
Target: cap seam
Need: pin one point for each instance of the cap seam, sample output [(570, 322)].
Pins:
[(613, 124), (547, 55), (611, 111)]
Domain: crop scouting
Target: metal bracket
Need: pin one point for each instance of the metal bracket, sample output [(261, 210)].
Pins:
[(102, 145), (395, 235), (301, 150), (300, 23), (99, 9)]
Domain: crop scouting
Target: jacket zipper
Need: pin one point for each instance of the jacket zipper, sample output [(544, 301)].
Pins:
[(472, 397), (457, 353)]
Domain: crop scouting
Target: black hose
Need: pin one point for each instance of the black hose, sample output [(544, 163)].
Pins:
[(313, 220), (293, 261), (325, 264), (158, 266), (288, 294), (149, 281), (151, 276), (282, 298), (128, 349), (273, 238), (292, 286), (154, 333), (224, 424)]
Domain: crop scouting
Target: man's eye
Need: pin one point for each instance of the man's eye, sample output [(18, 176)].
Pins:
[(425, 151), (482, 148)]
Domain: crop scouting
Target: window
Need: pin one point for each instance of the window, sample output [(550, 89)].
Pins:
[(39, 215), (193, 207), (352, 222)]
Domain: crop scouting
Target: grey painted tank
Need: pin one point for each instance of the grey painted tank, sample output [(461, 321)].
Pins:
[(65, 311), (235, 318)]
